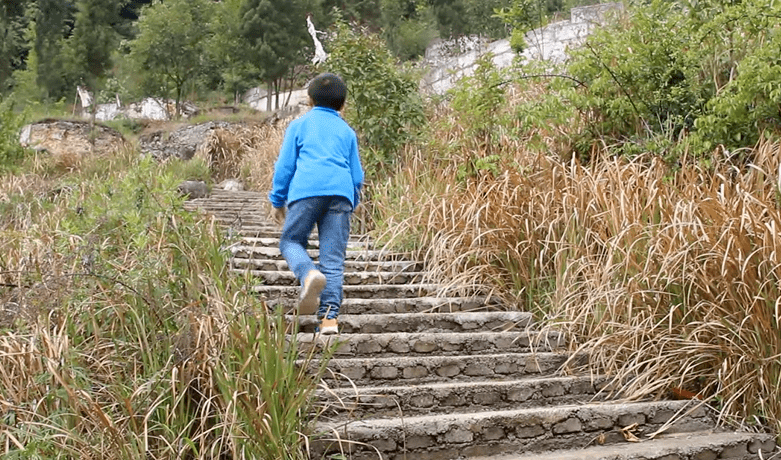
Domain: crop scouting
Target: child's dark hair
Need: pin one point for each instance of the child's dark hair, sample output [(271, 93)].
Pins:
[(328, 90)]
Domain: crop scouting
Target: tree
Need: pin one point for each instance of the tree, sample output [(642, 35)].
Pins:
[(408, 27), (227, 49), (94, 39), (170, 47), (13, 47), (277, 38), (457, 18), (522, 16), (53, 23)]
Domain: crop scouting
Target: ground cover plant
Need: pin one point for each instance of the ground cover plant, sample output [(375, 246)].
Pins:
[(122, 334)]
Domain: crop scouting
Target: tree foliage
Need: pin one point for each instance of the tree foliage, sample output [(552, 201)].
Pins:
[(169, 49), (90, 47), (13, 46), (275, 34), (53, 22)]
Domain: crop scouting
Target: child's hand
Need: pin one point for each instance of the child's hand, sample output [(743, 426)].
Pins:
[(278, 214)]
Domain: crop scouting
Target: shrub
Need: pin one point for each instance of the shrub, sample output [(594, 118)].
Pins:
[(646, 86), (383, 102), (11, 152)]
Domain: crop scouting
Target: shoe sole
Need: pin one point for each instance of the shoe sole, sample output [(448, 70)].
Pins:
[(329, 331), (309, 300)]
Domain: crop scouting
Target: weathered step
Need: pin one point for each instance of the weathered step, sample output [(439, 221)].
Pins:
[(354, 244), (265, 230), (490, 433), (262, 252), (426, 343), (404, 401), (431, 369), (287, 278), (270, 237), (281, 295), (704, 445), (349, 265), (424, 322), (357, 306)]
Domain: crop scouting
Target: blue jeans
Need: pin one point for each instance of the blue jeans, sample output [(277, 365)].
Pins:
[(332, 216)]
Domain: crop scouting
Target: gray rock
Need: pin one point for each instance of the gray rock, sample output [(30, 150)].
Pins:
[(231, 185), (193, 189), (181, 143)]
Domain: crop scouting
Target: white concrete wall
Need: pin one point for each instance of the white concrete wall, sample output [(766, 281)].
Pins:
[(447, 62)]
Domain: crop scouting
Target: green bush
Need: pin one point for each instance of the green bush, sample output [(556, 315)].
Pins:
[(748, 105), (703, 72), (640, 76), (479, 102), (383, 103), (11, 152)]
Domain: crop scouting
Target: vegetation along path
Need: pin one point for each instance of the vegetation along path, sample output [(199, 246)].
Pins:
[(421, 377)]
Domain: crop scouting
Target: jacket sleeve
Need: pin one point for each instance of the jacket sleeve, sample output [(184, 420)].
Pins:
[(356, 170), (284, 169)]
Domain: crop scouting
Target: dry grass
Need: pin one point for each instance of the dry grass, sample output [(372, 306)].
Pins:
[(245, 151), (670, 276)]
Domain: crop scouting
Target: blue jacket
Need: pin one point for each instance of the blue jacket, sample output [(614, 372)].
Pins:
[(318, 157)]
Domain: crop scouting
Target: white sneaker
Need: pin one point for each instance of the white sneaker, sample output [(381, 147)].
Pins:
[(329, 326), (309, 299)]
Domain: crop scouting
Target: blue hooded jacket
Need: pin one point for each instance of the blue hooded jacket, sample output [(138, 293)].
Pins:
[(318, 157)]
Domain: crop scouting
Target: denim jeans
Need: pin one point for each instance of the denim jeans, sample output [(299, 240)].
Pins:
[(332, 216)]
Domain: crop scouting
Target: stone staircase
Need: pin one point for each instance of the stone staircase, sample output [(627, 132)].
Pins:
[(419, 377)]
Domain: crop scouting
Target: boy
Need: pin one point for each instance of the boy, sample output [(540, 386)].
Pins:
[(319, 175)]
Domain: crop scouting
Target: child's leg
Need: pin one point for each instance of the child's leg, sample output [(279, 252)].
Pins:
[(334, 229), (299, 222)]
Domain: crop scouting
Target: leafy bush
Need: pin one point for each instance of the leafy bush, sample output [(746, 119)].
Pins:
[(749, 104), (639, 76), (479, 102), (646, 86), (383, 103), (11, 152)]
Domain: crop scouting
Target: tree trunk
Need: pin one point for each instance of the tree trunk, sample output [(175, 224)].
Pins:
[(276, 93), (269, 89)]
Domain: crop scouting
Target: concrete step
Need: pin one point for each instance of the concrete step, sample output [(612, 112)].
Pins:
[(699, 445), (378, 324), (349, 265), (358, 306), (282, 295), (432, 369), (270, 237), (490, 433), (426, 343), (354, 244), (287, 278), (262, 252), (404, 401)]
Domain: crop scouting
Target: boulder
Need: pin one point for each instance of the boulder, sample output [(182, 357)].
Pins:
[(231, 185), (193, 189), (181, 143), (61, 137)]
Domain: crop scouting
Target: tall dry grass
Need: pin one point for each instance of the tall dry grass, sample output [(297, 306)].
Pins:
[(669, 276), (244, 151)]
